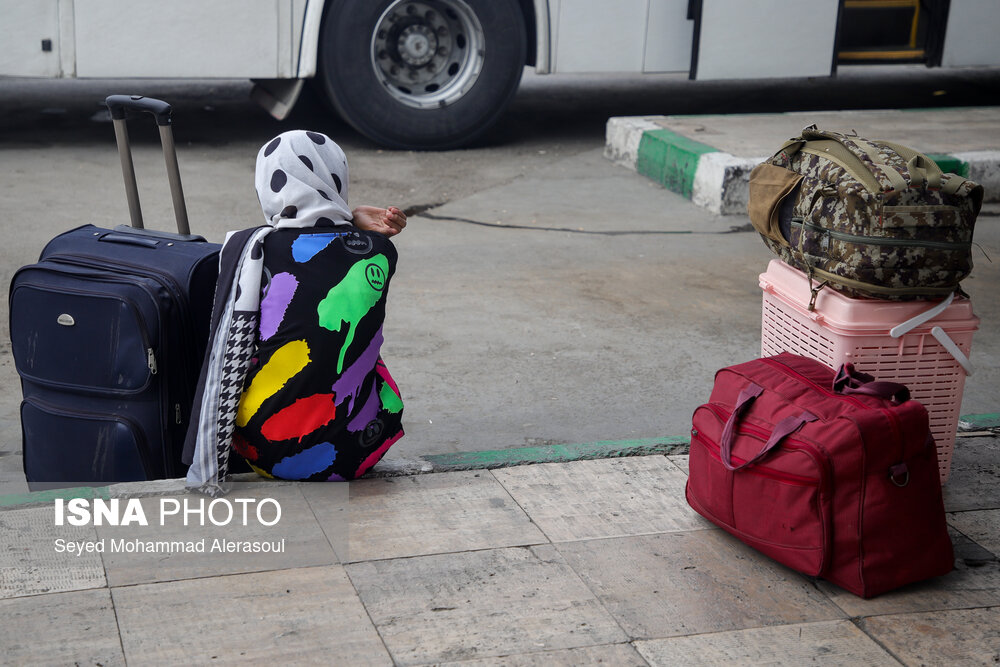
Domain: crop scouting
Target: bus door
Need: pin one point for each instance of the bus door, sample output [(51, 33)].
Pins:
[(949, 33), (892, 31)]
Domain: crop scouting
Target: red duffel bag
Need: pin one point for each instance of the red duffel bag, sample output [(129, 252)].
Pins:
[(831, 474)]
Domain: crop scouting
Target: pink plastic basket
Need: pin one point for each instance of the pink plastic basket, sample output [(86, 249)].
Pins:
[(860, 331)]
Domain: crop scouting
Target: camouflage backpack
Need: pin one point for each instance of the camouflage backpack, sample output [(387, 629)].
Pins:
[(869, 218)]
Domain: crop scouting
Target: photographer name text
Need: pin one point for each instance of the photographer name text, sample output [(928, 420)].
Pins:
[(136, 546)]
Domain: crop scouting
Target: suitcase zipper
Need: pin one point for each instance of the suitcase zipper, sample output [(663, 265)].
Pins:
[(175, 293), (182, 309), (136, 313), (96, 261), (142, 446), (173, 287), (101, 264)]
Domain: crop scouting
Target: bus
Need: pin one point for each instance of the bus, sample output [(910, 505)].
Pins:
[(436, 74)]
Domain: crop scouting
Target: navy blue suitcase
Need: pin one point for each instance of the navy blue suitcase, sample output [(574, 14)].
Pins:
[(108, 331)]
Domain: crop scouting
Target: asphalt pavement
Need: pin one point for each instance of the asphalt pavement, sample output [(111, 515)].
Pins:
[(575, 547)]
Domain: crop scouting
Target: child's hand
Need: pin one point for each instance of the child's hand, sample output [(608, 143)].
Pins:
[(388, 221)]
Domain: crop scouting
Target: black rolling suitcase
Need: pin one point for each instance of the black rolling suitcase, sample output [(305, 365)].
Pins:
[(108, 331)]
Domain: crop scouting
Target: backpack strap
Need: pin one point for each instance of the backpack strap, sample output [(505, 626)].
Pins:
[(952, 185), (866, 153), (863, 163), (790, 148)]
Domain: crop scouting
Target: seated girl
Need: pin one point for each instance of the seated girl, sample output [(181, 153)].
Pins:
[(293, 380)]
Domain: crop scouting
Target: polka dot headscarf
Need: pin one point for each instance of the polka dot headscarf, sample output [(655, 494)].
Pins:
[(301, 180)]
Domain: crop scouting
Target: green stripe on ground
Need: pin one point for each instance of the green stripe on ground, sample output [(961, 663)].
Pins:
[(605, 449), (978, 422), (670, 159), (502, 458), (950, 164), (38, 497)]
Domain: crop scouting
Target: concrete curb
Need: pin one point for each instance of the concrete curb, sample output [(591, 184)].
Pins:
[(709, 177), (718, 181)]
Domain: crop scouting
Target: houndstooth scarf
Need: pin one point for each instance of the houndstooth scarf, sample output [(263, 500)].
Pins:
[(301, 180)]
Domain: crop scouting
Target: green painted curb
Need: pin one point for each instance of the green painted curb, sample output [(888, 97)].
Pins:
[(670, 159), (978, 422), (950, 164), (36, 497), (502, 458)]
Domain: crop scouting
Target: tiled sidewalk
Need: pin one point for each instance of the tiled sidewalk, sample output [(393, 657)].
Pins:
[(549, 564)]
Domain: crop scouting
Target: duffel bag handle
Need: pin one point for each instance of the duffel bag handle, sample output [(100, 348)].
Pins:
[(850, 381), (923, 167), (782, 429), (919, 165)]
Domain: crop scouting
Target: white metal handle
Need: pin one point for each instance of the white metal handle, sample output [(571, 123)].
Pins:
[(949, 344), (914, 322)]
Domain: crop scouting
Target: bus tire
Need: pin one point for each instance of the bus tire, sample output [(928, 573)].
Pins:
[(421, 74)]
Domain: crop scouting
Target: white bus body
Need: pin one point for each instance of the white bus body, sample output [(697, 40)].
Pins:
[(436, 73)]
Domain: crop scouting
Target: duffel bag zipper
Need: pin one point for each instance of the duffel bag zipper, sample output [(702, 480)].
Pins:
[(143, 333), (891, 416), (827, 277), (787, 478), (757, 469), (876, 240), (788, 443)]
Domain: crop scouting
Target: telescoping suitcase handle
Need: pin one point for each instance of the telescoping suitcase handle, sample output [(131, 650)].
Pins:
[(123, 107)]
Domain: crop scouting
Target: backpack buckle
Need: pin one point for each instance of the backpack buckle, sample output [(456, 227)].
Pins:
[(814, 291)]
